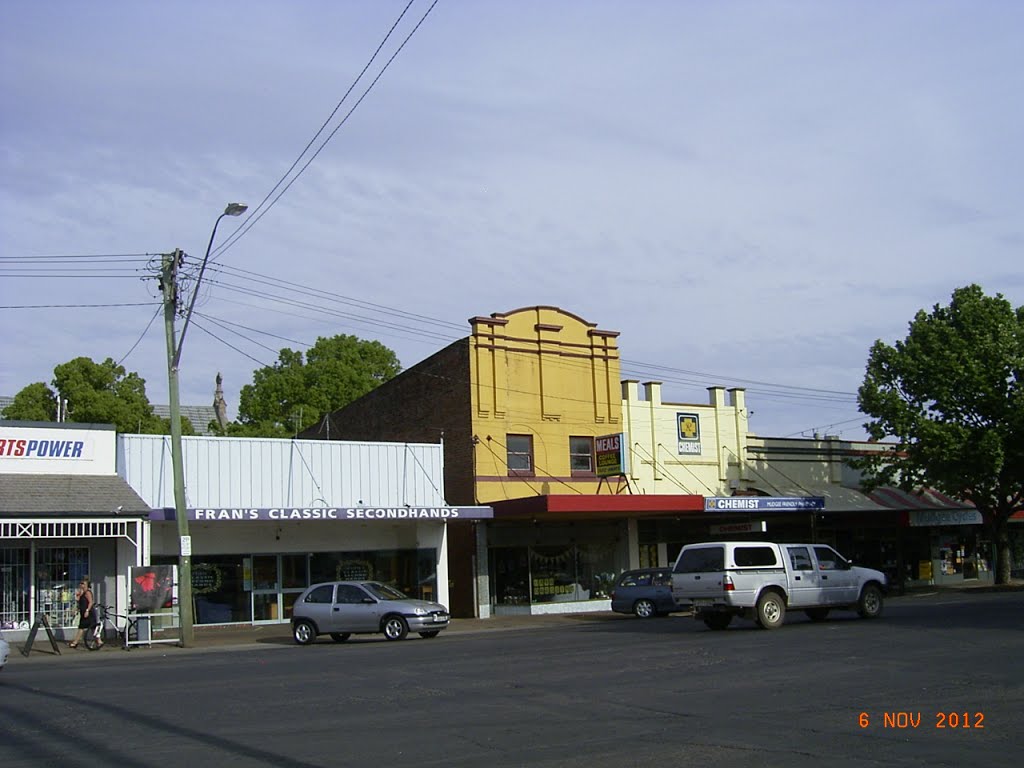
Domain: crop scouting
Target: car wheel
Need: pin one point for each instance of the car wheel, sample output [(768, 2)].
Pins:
[(395, 628), (771, 610), (717, 621), (870, 604), (644, 609), (340, 637), (304, 632), (817, 614), (431, 633)]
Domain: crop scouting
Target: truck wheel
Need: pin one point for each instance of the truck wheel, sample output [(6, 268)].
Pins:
[(870, 604), (717, 620), (644, 609), (817, 614), (771, 610)]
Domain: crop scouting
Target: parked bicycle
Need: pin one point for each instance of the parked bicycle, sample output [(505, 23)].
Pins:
[(109, 627)]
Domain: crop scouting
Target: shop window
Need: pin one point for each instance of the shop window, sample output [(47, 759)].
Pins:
[(519, 449), (14, 588), (58, 571), (581, 455)]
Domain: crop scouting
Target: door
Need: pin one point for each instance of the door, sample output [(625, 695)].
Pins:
[(805, 589), (838, 582), (354, 610), (266, 588)]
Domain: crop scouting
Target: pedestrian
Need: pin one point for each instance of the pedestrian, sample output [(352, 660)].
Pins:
[(86, 601)]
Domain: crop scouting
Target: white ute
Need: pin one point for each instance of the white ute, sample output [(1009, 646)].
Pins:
[(762, 580)]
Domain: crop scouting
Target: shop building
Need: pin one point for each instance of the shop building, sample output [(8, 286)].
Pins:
[(64, 514), (267, 518)]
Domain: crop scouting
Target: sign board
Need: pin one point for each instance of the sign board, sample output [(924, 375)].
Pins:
[(920, 518), (762, 503), (610, 455), (43, 450), (752, 527), (328, 514), (688, 433), (186, 546)]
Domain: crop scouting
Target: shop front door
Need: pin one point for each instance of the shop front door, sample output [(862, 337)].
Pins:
[(277, 580)]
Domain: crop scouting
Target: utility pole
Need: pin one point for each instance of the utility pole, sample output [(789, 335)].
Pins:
[(169, 285)]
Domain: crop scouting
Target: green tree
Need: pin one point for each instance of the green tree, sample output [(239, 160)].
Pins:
[(295, 392), (36, 402), (951, 394)]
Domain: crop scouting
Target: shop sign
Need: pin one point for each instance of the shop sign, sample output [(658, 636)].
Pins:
[(688, 429), (762, 503), (286, 514), (756, 527), (920, 518), (610, 455), (38, 450)]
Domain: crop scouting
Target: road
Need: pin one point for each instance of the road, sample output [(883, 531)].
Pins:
[(603, 691)]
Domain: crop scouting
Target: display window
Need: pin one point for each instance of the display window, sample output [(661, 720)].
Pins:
[(552, 573)]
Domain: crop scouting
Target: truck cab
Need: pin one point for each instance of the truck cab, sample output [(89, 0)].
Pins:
[(762, 580)]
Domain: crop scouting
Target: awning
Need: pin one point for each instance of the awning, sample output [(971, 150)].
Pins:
[(583, 506), (838, 498), (66, 496)]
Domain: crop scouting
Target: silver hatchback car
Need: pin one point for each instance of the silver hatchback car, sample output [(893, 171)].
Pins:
[(345, 608)]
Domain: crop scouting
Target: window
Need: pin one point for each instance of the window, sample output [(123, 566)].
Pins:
[(321, 594), (581, 455), (753, 557), (800, 558), (520, 454), (702, 560), (829, 559), (350, 594)]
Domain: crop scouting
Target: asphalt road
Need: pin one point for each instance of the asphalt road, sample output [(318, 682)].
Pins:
[(608, 691)]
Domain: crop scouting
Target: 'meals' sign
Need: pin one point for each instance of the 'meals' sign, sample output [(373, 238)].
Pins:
[(762, 503), (610, 455)]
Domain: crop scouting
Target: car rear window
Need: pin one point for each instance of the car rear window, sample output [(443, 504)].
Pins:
[(753, 557), (635, 580), (701, 560)]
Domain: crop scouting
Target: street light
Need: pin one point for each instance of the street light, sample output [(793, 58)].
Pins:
[(169, 285)]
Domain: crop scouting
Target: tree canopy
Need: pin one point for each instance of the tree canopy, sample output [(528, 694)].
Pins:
[(96, 393), (952, 395), (296, 391)]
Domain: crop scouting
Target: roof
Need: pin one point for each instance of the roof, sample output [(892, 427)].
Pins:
[(838, 498), (926, 498), (200, 416), (68, 495)]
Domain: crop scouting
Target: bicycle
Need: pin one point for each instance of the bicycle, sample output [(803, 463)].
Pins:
[(106, 629)]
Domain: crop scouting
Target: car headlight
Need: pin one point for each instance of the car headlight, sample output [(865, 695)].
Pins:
[(421, 611)]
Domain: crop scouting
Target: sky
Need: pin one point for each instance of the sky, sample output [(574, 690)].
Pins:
[(750, 193)]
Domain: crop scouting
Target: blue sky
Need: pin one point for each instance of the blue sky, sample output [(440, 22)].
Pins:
[(751, 193)]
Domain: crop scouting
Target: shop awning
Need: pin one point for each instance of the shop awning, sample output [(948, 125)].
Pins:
[(838, 498), (583, 506), (926, 498)]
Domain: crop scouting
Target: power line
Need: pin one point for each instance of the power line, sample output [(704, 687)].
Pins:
[(231, 346), (148, 326), (254, 217), (74, 306)]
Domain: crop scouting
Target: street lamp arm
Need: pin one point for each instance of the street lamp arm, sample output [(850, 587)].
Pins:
[(233, 209)]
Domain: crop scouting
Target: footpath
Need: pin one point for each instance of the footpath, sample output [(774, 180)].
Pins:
[(242, 637)]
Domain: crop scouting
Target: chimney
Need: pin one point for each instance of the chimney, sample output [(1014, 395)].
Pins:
[(717, 396), (652, 392)]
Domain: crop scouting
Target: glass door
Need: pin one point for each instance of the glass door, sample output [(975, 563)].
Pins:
[(266, 589), (276, 581)]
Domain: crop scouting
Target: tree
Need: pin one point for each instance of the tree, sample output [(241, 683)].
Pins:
[(96, 393), (952, 394), (294, 393), (36, 402)]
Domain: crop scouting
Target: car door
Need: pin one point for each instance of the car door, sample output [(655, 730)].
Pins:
[(805, 588), (354, 610), (317, 605), (661, 583), (838, 582)]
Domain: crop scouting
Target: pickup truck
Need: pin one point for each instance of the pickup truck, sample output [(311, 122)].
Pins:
[(762, 580)]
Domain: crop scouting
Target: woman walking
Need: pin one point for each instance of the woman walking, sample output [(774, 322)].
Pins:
[(86, 601)]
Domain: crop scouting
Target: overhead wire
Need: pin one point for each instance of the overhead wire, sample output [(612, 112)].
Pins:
[(143, 335), (255, 216)]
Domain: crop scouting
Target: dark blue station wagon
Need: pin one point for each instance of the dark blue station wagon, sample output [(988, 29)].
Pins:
[(646, 592)]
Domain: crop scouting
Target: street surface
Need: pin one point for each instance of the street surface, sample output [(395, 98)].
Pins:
[(937, 681)]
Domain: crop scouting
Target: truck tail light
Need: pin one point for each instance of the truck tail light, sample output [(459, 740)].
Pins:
[(727, 584)]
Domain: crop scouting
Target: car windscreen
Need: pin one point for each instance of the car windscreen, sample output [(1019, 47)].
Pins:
[(384, 592)]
